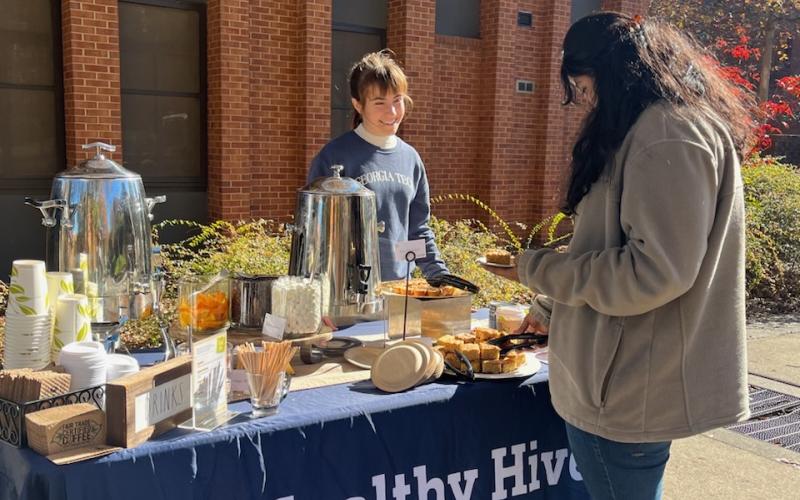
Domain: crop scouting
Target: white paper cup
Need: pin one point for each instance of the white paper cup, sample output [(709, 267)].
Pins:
[(95, 303), (58, 284), (73, 320), (28, 288)]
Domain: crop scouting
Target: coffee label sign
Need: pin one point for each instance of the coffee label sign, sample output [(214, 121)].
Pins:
[(76, 433)]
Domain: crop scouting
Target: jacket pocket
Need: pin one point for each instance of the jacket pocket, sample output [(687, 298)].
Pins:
[(609, 372)]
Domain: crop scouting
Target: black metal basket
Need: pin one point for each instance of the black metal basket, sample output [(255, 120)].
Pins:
[(12, 415)]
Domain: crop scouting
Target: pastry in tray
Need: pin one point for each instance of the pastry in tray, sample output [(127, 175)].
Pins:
[(498, 256), (484, 357), (418, 287)]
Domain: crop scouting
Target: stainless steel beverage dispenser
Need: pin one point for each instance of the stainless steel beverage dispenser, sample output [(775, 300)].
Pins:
[(98, 228), (335, 238)]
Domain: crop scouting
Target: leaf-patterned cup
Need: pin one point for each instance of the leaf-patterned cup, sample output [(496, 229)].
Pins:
[(73, 320), (28, 288), (58, 284)]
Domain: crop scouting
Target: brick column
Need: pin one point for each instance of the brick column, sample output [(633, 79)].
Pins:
[(410, 34), (497, 95), (630, 7), (228, 109), (92, 108), (316, 16)]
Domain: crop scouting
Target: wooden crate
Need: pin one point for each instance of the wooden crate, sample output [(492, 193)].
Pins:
[(150, 402)]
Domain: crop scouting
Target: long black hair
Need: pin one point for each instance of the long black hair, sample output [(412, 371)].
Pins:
[(635, 64)]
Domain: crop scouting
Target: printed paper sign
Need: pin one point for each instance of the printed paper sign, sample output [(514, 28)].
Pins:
[(274, 326), (209, 372), (402, 249)]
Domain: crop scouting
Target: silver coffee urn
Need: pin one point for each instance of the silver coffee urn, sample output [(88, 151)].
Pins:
[(98, 228), (335, 238)]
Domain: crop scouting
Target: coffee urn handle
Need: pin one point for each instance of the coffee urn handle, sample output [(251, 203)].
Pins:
[(49, 220), (98, 146), (152, 202)]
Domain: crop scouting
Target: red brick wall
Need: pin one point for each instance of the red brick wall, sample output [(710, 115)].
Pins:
[(92, 106), (229, 180), (452, 159), (269, 102), (631, 7), (269, 99)]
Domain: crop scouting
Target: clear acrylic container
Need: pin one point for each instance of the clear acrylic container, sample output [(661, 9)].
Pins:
[(204, 303)]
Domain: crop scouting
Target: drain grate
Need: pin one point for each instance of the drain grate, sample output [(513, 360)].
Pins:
[(765, 402), (775, 418)]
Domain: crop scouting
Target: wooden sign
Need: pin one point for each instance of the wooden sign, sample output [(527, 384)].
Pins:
[(64, 428), (148, 403), (69, 433)]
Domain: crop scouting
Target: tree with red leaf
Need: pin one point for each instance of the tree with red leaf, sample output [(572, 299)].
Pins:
[(756, 34), (750, 39)]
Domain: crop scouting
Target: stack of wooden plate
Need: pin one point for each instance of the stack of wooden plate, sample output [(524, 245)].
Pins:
[(405, 365)]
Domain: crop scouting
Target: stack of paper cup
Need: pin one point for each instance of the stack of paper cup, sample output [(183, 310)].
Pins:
[(86, 362), (73, 320), (119, 365), (28, 321), (58, 284)]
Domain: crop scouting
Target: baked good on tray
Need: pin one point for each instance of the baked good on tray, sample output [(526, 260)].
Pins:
[(498, 256), (418, 287), (484, 357)]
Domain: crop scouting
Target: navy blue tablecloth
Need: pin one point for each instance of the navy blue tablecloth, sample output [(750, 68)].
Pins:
[(345, 442)]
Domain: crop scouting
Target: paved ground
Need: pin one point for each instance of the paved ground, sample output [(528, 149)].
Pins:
[(725, 465)]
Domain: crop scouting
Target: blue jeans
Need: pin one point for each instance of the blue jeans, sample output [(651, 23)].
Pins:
[(619, 471)]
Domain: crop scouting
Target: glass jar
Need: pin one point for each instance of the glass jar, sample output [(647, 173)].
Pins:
[(204, 302), (299, 301)]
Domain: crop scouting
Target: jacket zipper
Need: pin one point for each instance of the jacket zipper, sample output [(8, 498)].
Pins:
[(610, 371)]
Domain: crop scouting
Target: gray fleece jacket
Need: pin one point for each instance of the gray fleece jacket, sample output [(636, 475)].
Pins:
[(646, 308)]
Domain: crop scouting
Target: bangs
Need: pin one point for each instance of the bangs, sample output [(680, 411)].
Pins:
[(384, 78)]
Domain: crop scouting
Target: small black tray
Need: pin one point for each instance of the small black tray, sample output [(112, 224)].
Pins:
[(12, 415)]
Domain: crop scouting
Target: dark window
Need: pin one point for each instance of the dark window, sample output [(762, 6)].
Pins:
[(359, 27), (458, 18), (31, 95), (582, 8), (364, 13), (162, 66), (524, 19)]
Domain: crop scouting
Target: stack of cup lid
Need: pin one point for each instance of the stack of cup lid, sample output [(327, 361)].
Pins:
[(86, 362), (120, 365), (405, 365), (73, 320), (28, 320)]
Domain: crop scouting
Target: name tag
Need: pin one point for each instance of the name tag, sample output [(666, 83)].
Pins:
[(274, 326)]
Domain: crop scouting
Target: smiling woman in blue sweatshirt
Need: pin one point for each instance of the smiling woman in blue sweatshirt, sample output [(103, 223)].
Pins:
[(374, 155)]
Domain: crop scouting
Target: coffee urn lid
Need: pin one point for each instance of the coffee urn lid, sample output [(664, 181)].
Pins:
[(99, 167), (337, 185)]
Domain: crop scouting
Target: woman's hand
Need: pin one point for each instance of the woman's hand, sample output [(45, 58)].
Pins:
[(509, 273), (531, 325)]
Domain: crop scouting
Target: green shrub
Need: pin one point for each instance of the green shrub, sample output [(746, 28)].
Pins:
[(772, 200), (461, 243)]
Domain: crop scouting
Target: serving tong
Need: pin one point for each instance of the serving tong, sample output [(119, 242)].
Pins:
[(531, 340), (467, 374), (452, 280)]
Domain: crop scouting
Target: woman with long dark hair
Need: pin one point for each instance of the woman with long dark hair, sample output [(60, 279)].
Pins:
[(645, 309)]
